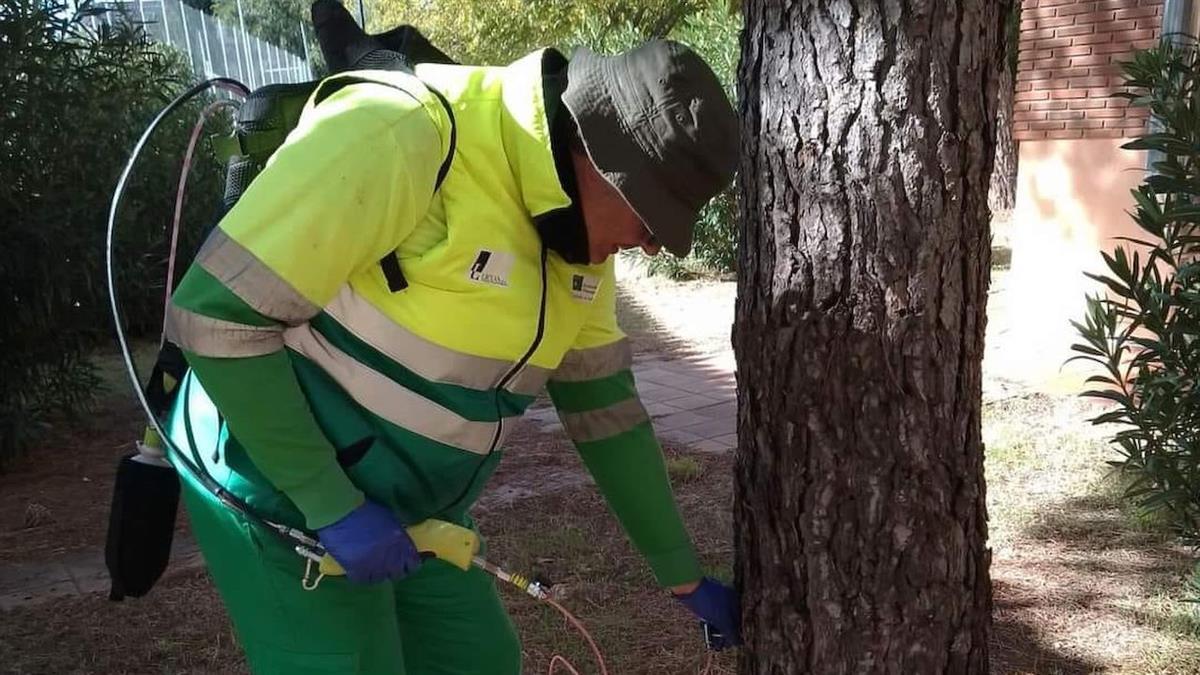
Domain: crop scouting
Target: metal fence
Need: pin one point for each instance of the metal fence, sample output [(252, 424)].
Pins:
[(214, 47)]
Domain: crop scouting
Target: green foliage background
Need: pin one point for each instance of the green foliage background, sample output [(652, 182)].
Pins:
[(74, 104), (1142, 332)]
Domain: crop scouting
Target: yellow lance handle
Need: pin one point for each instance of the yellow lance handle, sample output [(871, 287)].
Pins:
[(455, 544)]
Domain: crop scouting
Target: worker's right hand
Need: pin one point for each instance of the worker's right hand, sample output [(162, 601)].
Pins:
[(717, 605), (370, 544)]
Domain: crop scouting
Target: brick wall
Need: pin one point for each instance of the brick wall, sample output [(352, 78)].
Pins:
[(1067, 68)]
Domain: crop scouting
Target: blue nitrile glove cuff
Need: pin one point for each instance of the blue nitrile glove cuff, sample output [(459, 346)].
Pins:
[(717, 605), (370, 544)]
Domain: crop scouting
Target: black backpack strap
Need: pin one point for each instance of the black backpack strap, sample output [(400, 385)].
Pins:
[(390, 264), (445, 168)]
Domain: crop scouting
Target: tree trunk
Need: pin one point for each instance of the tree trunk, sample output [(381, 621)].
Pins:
[(1002, 196), (869, 130)]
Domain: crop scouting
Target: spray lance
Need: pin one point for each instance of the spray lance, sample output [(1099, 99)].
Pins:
[(451, 543)]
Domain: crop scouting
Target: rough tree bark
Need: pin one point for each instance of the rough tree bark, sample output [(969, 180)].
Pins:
[(1002, 196), (869, 128)]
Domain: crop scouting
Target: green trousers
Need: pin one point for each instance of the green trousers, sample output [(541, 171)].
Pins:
[(439, 620)]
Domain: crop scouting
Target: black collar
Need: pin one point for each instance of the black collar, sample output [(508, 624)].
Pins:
[(561, 230)]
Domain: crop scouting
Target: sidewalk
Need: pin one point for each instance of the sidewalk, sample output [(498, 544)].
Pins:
[(692, 400), (34, 583)]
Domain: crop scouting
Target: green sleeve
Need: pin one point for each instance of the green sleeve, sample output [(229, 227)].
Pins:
[(272, 416), (266, 410), (616, 440)]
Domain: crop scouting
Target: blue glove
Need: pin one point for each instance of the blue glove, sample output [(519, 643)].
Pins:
[(370, 545), (718, 606)]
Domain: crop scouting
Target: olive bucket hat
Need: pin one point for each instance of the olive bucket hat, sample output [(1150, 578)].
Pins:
[(658, 126)]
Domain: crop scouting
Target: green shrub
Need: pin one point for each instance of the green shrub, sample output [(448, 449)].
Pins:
[(716, 233), (1143, 332), (500, 31), (74, 104)]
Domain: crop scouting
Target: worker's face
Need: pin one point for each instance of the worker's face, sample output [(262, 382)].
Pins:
[(611, 224)]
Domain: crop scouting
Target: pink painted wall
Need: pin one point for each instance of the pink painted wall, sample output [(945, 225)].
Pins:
[(1073, 197)]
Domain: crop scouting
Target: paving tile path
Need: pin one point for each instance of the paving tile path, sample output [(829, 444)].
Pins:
[(692, 400), (33, 583)]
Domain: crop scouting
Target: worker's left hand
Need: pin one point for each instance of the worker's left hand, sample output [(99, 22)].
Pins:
[(371, 545), (717, 605)]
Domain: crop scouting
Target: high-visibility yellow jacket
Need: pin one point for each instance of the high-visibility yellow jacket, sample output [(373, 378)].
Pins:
[(336, 383)]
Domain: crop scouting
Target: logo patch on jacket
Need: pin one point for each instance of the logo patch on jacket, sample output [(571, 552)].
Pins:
[(584, 287), (491, 267)]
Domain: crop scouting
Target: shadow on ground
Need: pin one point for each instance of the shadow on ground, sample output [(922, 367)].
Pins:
[(1088, 588), (1019, 645)]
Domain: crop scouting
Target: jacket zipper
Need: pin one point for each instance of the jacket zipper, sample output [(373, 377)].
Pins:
[(520, 365), (508, 377)]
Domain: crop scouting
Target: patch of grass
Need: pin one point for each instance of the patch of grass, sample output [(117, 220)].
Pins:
[(683, 469), (1081, 575), (722, 571), (569, 540), (1172, 614), (1038, 450), (180, 627), (1001, 257), (1169, 657), (573, 539)]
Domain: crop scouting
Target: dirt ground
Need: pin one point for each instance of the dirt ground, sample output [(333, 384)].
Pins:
[(1082, 585)]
